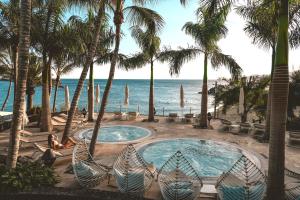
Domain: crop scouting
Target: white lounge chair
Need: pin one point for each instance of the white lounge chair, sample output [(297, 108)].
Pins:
[(132, 173), (243, 181), (172, 117), (178, 180), (87, 172), (133, 115)]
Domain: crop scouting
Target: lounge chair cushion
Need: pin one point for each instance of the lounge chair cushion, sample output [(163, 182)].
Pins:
[(133, 182), (180, 190), (257, 190), (232, 192), (85, 170)]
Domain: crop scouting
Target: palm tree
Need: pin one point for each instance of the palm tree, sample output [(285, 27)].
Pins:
[(34, 79), (254, 92), (48, 20), (7, 72), (84, 27), (206, 33), (262, 27), (140, 16), (19, 102), (66, 47), (149, 43), (89, 59), (9, 31), (279, 99)]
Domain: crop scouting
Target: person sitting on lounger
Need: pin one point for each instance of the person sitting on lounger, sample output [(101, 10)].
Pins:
[(54, 144)]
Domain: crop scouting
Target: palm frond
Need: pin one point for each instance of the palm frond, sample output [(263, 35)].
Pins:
[(134, 62), (218, 59), (176, 58), (145, 17)]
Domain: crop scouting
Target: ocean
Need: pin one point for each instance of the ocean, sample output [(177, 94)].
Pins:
[(166, 95)]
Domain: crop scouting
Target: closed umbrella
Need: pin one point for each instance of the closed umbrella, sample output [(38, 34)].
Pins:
[(126, 99), (241, 101), (181, 99), (98, 94), (67, 98)]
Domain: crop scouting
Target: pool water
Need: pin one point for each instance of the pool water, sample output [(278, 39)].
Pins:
[(209, 158), (119, 133)]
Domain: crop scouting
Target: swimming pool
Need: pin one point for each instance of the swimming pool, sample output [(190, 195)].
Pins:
[(209, 158), (117, 134)]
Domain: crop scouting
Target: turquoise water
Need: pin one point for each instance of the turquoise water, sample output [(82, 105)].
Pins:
[(117, 133), (166, 93), (209, 159)]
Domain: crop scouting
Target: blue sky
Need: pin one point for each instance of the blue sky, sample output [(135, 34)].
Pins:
[(252, 59)]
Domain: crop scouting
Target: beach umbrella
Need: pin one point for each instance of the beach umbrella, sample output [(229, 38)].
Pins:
[(241, 101), (181, 99), (126, 99), (67, 98), (98, 94)]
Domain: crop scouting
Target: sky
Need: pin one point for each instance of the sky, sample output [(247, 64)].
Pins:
[(252, 59)]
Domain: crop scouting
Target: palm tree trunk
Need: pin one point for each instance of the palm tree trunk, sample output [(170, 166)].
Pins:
[(89, 60), (280, 83), (55, 91), (268, 113), (46, 125), (7, 95), (118, 22), (91, 94), (203, 117), (19, 102), (151, 96), (50, 78), (15, 63)]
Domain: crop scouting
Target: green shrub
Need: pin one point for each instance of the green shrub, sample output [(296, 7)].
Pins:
[(26, 176)]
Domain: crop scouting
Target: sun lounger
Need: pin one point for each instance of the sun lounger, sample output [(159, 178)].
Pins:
[(76, 119), (245, 128), (26, 133), (294, 139), (64, 121), (188, 118), (172, 117), (178, 179), (225, 125), (243, 181), (133, 115), (87, 172), (120, 116), (32, 140), (132, 173), (259, 129)]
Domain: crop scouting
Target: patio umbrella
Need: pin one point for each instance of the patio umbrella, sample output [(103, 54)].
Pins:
[(126, 98), (241, 101), (181, 99), (67, 98), (98, 94)]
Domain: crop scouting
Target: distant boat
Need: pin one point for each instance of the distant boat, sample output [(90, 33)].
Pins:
[(200, 92)]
